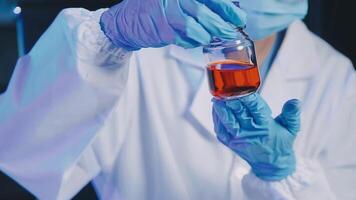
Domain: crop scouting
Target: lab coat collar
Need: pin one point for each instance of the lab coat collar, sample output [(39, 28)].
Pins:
[(200, 108), (297, 56), (298, 41), (294, 66)]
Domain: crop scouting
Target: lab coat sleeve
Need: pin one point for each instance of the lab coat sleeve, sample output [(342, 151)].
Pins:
[(331, 174), (58, 98), (338, 158), (305, 184)]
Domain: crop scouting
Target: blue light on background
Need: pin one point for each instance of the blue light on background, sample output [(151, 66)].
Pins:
[(10, 14), (17, 10)]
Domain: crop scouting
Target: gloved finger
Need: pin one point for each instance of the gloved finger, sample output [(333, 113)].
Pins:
[(258, 109), (248, 128), (240, 112), (212, 22), (243, 115), (290, 116), (185, 42), (226, 117), (227, 11), (189, 29), (220, 130)]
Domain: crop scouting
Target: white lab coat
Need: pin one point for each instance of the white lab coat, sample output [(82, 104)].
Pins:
[(78, 109)]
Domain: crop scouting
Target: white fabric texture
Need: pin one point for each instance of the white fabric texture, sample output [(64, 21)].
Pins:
[(45, 124), (140, 125)]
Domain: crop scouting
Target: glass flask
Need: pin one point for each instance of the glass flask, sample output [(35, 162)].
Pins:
[(232, 67)]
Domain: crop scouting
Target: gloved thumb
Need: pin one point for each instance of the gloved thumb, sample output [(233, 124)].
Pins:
[(290, 116)]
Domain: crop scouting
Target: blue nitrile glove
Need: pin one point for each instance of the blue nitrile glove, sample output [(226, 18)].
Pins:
[(246, 126), (135, 24)]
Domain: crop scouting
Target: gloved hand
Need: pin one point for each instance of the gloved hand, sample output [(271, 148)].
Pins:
[(135, 24), (246, 126)]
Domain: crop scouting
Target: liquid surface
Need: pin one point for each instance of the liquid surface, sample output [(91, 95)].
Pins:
[(229, 78)]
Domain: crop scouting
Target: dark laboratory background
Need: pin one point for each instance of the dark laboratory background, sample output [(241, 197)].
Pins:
[(329, 19)]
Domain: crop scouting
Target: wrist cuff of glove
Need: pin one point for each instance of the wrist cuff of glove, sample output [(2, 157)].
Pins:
[(107, 22), (268, 172)]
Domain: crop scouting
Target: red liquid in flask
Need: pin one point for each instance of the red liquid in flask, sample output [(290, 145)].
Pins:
[(231, 78)]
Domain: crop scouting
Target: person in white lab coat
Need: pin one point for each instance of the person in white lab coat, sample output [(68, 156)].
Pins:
[(138, 123)]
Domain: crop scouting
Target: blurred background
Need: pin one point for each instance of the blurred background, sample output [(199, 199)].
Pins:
[(23, 22)]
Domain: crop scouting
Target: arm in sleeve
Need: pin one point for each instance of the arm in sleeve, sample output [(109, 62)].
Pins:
[(338, 158), (59, 96), (330, 175)]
